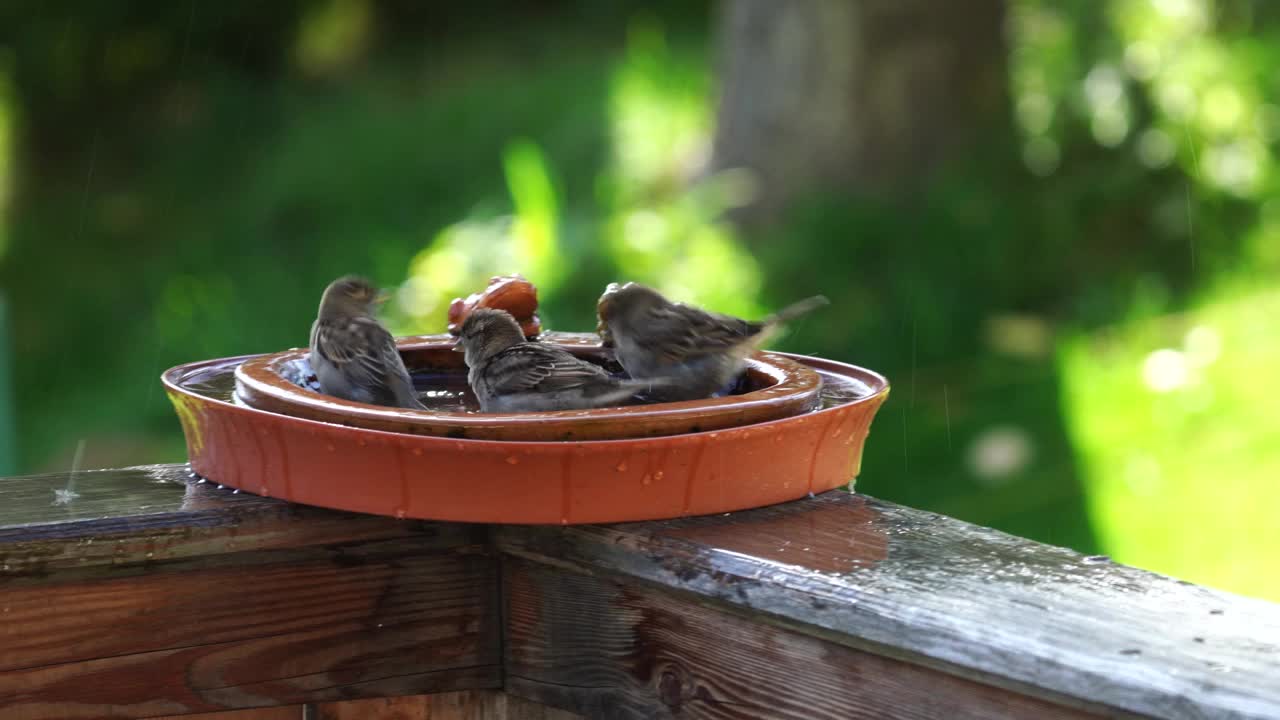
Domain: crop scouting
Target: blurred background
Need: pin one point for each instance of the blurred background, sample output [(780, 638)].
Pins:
[(1053, 225)]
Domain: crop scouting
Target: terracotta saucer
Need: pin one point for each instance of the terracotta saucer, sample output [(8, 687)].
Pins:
[(468, 480), (777, 387)]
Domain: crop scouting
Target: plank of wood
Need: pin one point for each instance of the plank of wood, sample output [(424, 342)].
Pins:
[(464, 705), (390, 618), (611, 649), (977, 603), (292, 712), (51, 523)]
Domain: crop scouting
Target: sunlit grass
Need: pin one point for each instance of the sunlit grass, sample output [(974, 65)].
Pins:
[(1175, 422)]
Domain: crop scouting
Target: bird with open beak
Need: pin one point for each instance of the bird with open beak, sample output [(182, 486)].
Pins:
[(353, 355), (511, 374), (692, 352)]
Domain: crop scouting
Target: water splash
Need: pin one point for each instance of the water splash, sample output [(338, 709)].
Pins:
[(64, 496)]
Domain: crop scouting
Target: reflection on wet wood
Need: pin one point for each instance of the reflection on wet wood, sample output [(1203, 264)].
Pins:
[(465, 705), (609, 649), (156, 513), (967, 600)]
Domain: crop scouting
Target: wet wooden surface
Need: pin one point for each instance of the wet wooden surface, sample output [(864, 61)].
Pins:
[(628, 650), (291, 712), (158, 597), (156, 513), (140, 593), (465, 705), (937, 592)]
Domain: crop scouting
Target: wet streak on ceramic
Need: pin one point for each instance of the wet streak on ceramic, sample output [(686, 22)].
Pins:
[(966, 599), (776, 388), (484, 481)]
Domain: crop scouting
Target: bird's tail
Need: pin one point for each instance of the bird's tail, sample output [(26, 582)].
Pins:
[(796, 309)]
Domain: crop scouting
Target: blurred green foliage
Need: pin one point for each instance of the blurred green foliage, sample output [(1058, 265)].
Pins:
[(185, 181)]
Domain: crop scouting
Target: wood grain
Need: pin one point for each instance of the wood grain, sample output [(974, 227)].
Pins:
[(971, 601), (615, 650), (395, 617), (136, 593), (465, 705), (157, 513), (292, 712)]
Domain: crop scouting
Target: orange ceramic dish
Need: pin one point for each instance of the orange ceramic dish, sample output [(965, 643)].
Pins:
[(440, 478), (785, 388)]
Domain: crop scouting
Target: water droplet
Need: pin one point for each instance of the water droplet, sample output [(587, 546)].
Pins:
[(221, 486), (513, 460), (646, 479), (622, 466), (658, 475), (201, 481), (329, 447), (564, 521), (400, 513), (417, 451), (812, 495), (379, 624), (265, 491), (236, 491), (150, 555)]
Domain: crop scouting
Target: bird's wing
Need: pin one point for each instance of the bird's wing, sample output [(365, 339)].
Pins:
[(678, 332), (533, 367), (366, 353)]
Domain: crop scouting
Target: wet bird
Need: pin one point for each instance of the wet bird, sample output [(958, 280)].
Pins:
[(511, 374), (698, 353), (353, 355)]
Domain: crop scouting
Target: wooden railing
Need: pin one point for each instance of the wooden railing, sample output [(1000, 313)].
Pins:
[(140, 593)]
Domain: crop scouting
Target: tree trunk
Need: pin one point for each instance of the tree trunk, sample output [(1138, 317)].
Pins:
[(869, 96)]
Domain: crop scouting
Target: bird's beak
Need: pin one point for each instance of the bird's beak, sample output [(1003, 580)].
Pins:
[(381, 297)]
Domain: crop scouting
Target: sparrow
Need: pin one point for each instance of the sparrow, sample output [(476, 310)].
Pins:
[(354, 357), (511, 374), (697, 353)]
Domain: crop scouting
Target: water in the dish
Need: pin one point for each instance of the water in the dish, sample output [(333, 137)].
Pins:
[(448, 391)]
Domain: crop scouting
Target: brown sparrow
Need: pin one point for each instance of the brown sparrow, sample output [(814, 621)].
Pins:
[(354, 357), (697, 353), (511, 374)]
